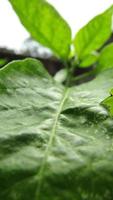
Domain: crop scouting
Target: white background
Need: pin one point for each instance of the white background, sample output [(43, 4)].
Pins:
[(76, 12)]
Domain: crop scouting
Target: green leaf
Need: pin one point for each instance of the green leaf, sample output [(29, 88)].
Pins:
[(105, 60), (94, 34), (89, 60), (2, 62), (108, 103), (45, 25), (55, 143)]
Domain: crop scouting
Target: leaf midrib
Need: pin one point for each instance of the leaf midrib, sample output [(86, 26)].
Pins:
[(40, 175)]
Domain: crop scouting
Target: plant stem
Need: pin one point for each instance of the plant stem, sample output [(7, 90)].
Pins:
[(70, 69), (82, 76), (70, 80)]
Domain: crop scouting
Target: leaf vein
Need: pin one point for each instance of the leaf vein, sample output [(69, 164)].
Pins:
[(52, 135)]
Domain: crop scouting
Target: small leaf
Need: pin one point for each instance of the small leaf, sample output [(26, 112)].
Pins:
[(105, 59), (89, 60), (44, 24), (108, 103), (2, 62), (92, 36)]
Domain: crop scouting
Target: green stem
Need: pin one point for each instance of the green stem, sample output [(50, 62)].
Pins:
[(70, 69), (71, 79), (83, 76)]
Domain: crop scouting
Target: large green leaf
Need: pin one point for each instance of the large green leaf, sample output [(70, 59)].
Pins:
[(56, 143), (44, 24), (93, 35), (105, 59)]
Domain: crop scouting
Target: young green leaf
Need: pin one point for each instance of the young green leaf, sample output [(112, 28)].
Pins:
[(108, 103), (2, 62), (92, 36), (89, 60), (105, 59), (44, 24), (55, 142)]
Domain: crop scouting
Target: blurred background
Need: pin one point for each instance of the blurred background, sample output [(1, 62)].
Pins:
[(14, 39)]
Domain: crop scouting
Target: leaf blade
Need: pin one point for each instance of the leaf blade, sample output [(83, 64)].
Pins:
[(79, 148), (91, 37), (108, 103), (105, 60), (44, 24), (89, 60)]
